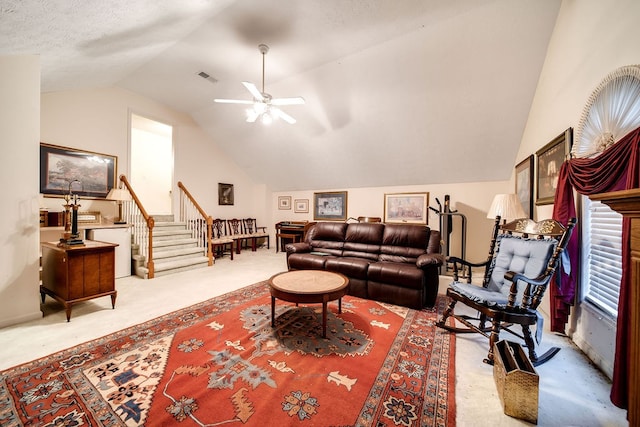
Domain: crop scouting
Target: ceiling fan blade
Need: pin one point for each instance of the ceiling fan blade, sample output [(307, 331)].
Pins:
[(284, 116), (254, 90), (232, 101), (288, 101)]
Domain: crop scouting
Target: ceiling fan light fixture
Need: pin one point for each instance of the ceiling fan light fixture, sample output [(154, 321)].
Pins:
[(260, 107), (263, 105), (252, 116), (267, 119)]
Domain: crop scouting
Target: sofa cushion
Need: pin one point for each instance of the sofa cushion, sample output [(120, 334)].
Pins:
[(403, 243), (363, 240), (327, 237), (396, 273), (349, 266)]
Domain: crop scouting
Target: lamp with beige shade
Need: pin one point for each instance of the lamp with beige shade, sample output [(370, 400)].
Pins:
[(507, 206)]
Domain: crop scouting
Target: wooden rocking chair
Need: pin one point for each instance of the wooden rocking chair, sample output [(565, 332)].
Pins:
[(523, 256)]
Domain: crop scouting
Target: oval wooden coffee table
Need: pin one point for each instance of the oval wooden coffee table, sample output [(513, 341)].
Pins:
[(308, 287)]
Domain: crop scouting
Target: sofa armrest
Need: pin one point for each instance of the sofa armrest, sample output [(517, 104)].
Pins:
[(425, 260), (297, 248)]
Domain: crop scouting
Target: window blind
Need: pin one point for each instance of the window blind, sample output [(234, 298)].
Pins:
[(603, 244)]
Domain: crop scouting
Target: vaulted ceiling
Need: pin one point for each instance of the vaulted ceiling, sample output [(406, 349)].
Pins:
[(397, 92)]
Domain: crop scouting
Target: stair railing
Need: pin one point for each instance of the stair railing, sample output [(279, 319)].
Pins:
[(196, 220), (142, 226)]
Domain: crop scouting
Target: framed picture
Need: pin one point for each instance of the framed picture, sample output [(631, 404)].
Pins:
[(86, 173), (301, 206), (330, 206), (284, 202), (549, 159), (89, 218), (225, 194), (524, 184), (406, 208)]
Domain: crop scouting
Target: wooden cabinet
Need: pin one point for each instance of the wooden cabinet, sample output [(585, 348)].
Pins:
[(627, 203), (78, 273)]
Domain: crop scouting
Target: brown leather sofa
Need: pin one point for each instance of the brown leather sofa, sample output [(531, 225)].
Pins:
[(393, 263)]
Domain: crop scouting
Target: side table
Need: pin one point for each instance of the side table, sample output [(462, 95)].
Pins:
[(78, 273)]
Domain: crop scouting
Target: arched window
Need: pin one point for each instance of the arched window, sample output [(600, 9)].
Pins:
[(612, 111)]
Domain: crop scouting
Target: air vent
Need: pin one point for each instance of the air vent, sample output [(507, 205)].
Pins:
[(207, 77)]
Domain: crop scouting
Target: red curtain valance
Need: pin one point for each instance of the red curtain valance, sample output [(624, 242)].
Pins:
[(617, 168)]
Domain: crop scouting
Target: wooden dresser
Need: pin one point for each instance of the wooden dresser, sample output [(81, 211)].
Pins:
[(627, 203), (78, 273)]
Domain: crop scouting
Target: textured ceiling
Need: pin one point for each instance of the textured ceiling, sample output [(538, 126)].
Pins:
[(398, 92)]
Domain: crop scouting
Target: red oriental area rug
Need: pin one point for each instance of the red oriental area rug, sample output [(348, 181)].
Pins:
[(220, 362)]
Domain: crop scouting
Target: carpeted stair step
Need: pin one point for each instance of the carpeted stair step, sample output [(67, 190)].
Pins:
[(171, 234), (160, 245), (163, 268), (174, 250), (177, 253)]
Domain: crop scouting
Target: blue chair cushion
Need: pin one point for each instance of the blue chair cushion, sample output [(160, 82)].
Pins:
[(512, 253)]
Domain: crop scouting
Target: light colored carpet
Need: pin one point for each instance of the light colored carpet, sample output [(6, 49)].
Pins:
[(572, 391)]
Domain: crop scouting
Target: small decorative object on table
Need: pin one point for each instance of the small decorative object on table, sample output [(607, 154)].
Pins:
[(70, 236)]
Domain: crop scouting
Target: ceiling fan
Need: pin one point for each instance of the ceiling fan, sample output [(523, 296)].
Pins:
[(264, 106)]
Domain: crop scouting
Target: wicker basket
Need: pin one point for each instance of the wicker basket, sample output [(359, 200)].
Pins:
[(516, 381)]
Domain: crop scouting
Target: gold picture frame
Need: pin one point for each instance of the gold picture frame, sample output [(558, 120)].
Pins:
[(330, 206), (301, 206), (406, 208), (284, 202), (89, 218), (548, 161)]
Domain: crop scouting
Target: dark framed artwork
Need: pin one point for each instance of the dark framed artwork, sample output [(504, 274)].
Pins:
[(85, 173), (330, 206), (284, 202), (524, 184), (548, 161), (406, 208), (225, 194), (301, 206)]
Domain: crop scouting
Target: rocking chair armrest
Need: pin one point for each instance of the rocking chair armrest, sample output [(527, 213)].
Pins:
[(454, 259), (514, 277)]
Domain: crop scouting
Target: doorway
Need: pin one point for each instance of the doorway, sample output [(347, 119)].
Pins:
[(152, 163)]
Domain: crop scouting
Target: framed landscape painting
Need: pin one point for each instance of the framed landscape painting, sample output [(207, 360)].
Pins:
[(85, 173), (330, 206), (524, 184), (406, 208)]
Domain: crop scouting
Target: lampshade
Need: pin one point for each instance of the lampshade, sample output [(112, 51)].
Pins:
[(119, 195), (508, 206)]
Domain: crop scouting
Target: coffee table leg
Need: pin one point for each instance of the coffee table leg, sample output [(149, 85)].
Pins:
[(340, 305), (273, 311), (324, 319)]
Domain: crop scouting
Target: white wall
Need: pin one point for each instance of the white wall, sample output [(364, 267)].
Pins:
[(98, 120), (591, 39), (19, 228)]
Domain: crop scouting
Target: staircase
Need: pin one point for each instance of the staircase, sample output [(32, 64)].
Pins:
[(174, 249)]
